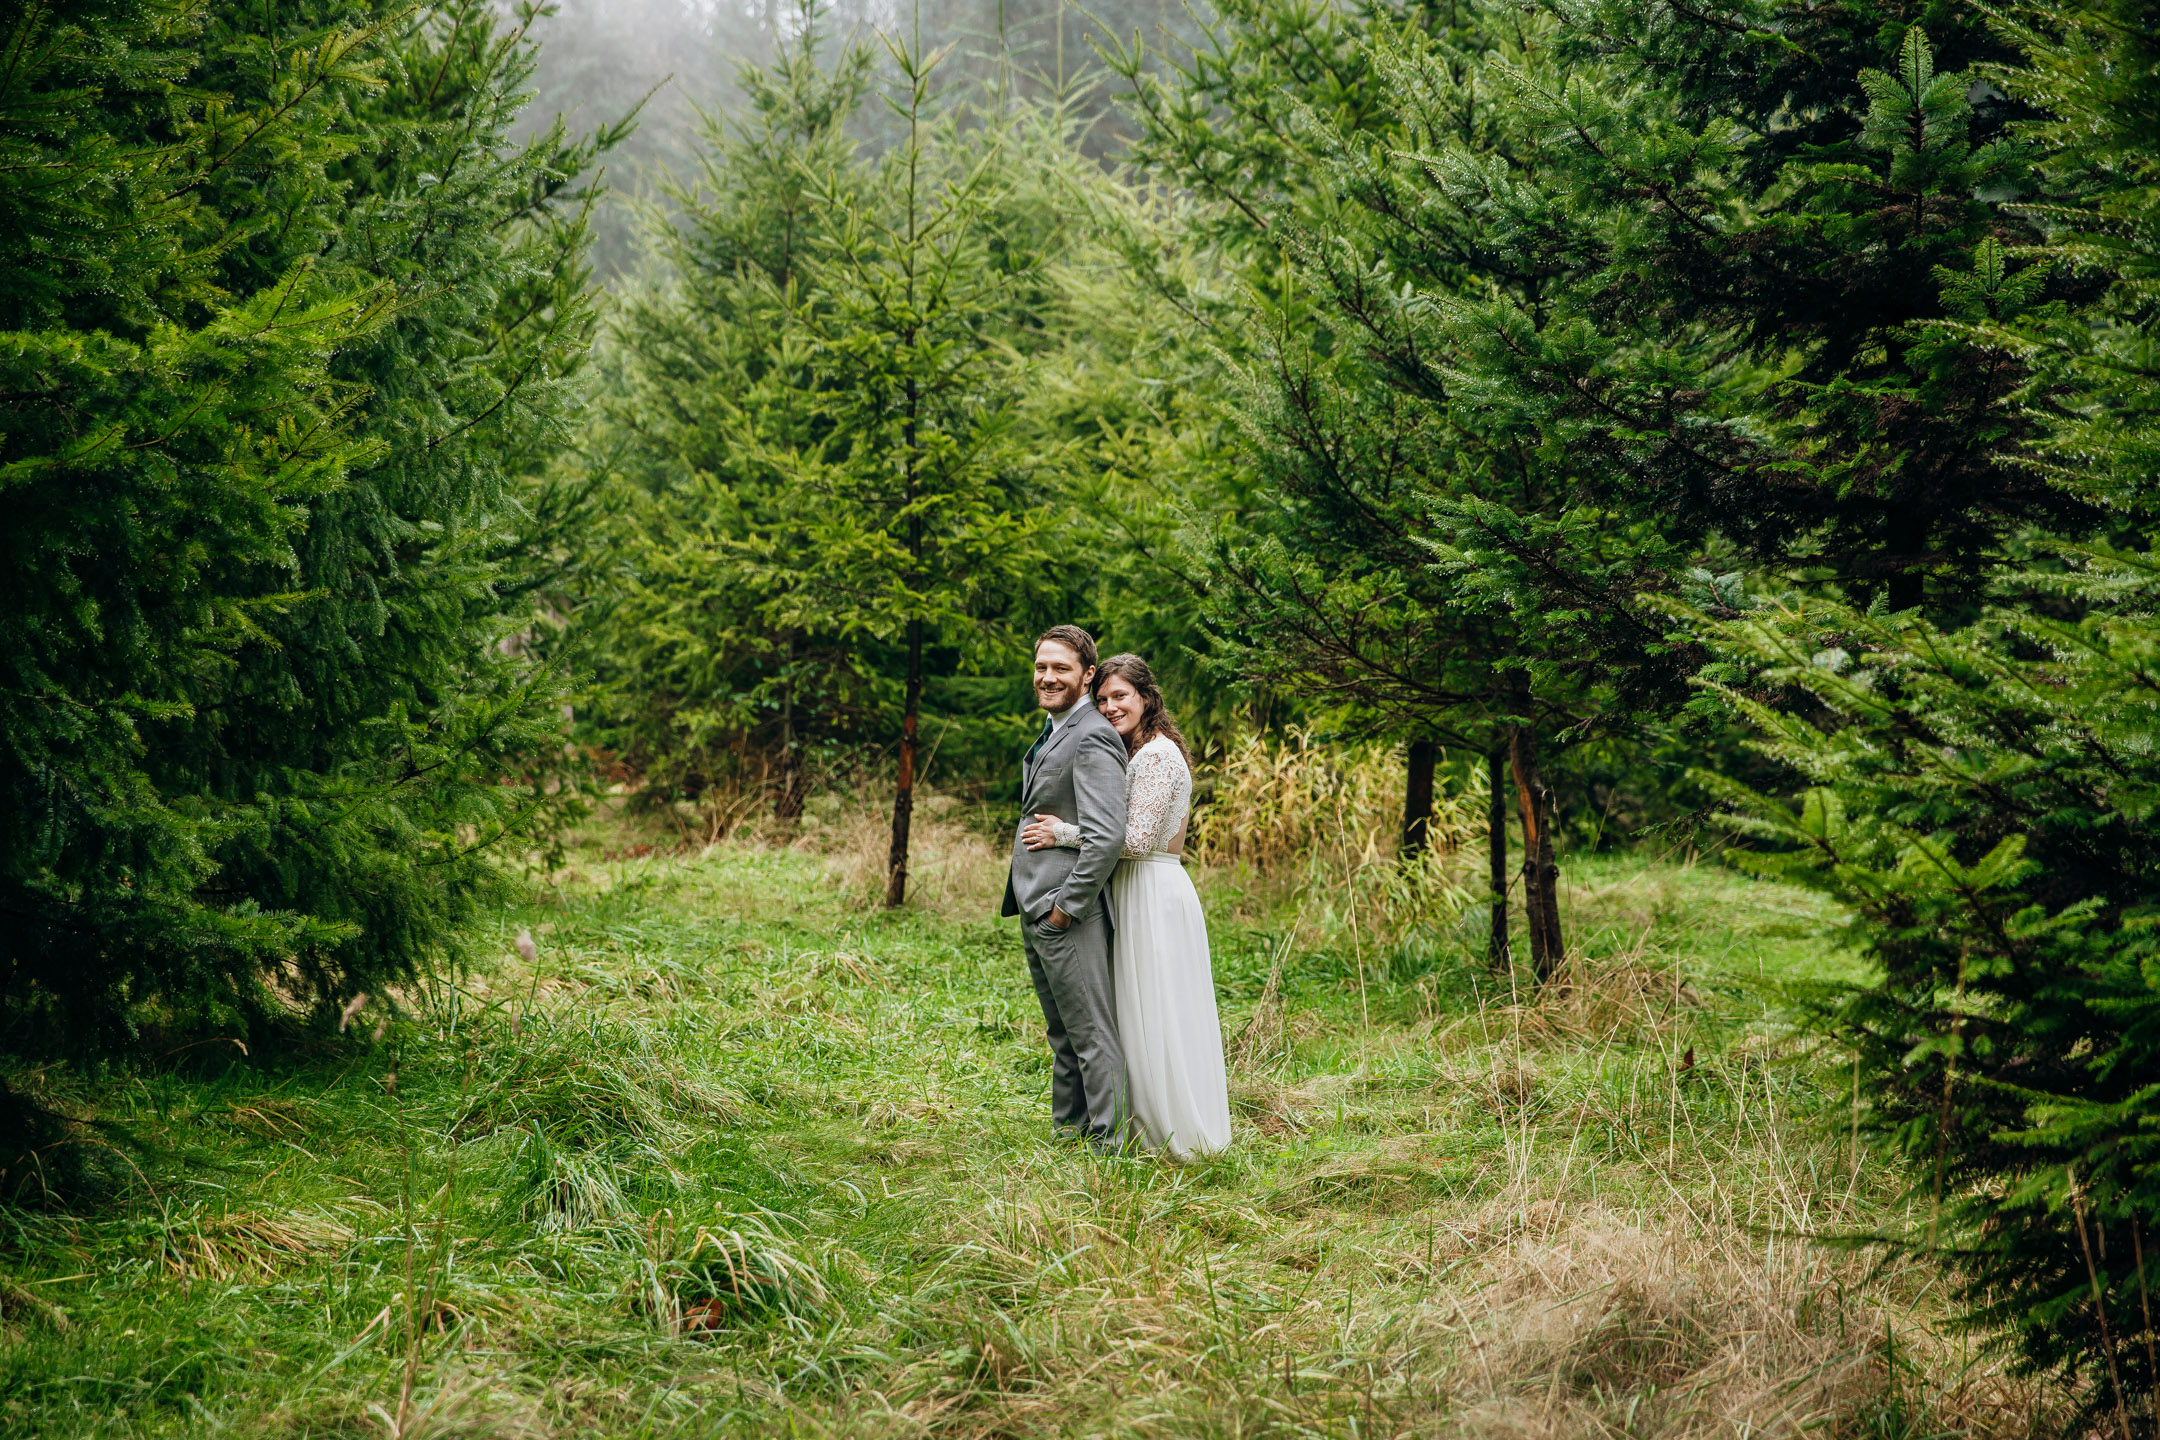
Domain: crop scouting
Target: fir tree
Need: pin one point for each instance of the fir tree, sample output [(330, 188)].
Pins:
[(1748, 348), (1423, 550), (1639, 305), (827, 502), (284, 340), (921, 515), (398, 697), (164, 436), (1980, 796), (707, 655)]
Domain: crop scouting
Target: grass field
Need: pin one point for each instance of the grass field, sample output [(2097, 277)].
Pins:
[(735, 1153)]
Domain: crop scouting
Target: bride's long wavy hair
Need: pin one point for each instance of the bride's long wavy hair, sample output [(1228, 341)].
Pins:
[(1154, 715)]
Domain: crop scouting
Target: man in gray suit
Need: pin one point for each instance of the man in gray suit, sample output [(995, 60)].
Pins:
[(1076, 767)]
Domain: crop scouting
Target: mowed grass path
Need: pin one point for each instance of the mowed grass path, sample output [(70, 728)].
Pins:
[(735, 1155)]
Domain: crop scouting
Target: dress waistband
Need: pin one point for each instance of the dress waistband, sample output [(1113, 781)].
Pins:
[(1160, 857)]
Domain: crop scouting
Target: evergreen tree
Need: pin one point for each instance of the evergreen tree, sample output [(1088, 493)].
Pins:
[(290, 313), (164, 435), (398, 696), (1980, 796), (829, 492), (1724, 345), (1425, 550), (921, 521), (707, 655), (1582, 304), (1749, 348)]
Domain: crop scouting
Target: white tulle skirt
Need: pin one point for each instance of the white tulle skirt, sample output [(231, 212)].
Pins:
[(1166, 1008)]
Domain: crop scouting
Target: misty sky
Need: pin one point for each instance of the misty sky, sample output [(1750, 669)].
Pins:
[(599, 58)]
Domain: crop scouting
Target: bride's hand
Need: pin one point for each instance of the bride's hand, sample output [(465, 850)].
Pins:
[(1037, 834)]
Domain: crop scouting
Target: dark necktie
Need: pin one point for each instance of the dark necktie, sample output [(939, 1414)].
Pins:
[(1040, 741)]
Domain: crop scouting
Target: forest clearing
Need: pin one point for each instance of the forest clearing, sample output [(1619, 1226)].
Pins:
[(1543, 617), (737, 1152)]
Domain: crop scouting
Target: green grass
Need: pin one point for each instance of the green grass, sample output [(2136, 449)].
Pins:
[(736, 1155)]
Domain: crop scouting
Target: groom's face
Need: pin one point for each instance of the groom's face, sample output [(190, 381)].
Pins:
[(1059, 679)]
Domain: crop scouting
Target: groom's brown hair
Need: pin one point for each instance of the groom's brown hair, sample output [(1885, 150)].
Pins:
[(1073, 638)]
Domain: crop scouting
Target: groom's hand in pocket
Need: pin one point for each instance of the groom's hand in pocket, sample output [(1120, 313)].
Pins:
[(1058, 919)]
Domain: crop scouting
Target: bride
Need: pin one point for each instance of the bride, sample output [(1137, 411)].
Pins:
[(1165, 987)]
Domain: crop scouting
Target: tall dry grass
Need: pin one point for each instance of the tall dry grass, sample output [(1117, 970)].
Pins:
[(1280, 824), (1280, 805), (1308, 833), (954, 868)]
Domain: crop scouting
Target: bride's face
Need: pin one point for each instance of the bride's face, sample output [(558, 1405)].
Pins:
[(1120, 705)]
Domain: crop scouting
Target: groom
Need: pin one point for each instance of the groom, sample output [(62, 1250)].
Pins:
[(1076, 767)]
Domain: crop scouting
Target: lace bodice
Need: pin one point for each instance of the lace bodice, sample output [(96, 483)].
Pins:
[(1158, 793)]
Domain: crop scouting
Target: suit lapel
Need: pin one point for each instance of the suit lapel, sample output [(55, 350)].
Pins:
[(1058, 736)]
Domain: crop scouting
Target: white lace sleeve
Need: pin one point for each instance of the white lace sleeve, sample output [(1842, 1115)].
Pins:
[(1066, 834), (1158, 789)]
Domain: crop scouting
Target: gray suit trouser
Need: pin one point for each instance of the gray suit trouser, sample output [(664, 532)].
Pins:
[(1071, 970)]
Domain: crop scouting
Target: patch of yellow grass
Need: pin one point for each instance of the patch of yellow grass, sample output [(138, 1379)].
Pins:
[(243, 1245)]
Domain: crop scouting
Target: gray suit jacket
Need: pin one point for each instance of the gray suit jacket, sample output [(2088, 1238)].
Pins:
[(1079, 775)]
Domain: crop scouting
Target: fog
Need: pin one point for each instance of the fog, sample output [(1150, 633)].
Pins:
[(599, 58)]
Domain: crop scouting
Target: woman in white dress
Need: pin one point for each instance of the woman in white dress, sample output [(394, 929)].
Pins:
[(1165, 985)]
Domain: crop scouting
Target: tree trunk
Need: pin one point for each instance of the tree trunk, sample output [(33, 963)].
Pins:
[(1417, 800), (1496, 938), (1908, 583), (903, 809), (1541, 876), (788, 804)]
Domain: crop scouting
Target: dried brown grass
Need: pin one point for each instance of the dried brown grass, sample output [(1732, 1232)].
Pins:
[(953, 867), (1274, 804), (1550, 1318), (463, 1403), (21, 1307), (1591, 1323), (243, 1245), (1277, 821), (1305, 834)]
